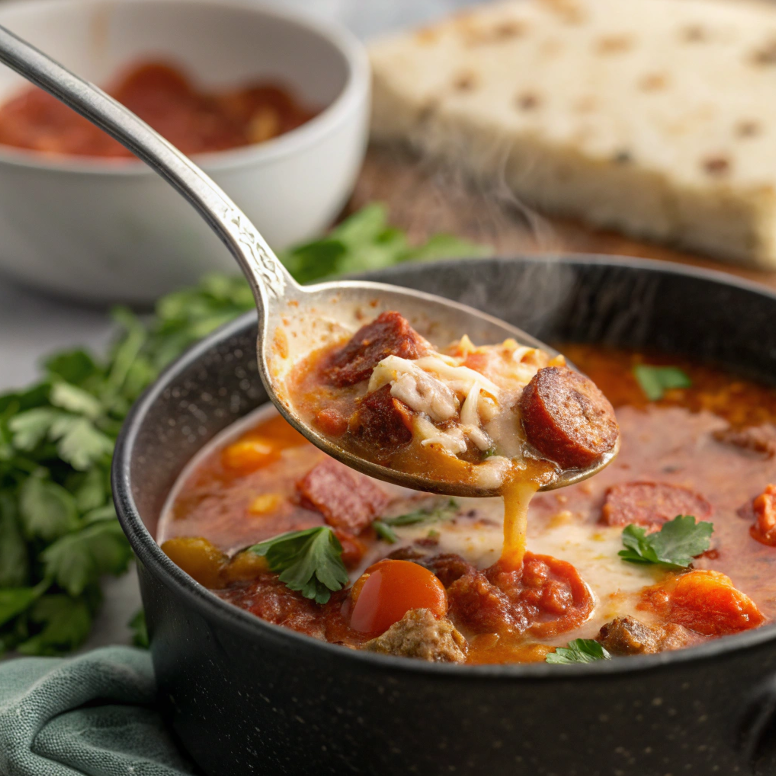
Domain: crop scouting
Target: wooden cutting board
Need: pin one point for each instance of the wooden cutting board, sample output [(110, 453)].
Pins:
[(424, 199)]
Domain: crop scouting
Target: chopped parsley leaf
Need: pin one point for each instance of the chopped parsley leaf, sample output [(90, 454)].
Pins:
[(675, 545), (308, 561), (578, 651), (432, 515), (656, 380), (385, 532)]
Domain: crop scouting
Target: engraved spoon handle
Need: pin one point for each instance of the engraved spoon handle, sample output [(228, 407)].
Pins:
[(268, 278)]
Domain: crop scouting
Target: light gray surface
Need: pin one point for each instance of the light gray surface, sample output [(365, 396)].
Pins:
[(31, 326)]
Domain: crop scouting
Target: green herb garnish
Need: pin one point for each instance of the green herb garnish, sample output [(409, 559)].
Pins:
[(656, 380), (578, 651), (675, 545), (367, 242), (58, 530), (385, 532), (308, 561), (432, 515)]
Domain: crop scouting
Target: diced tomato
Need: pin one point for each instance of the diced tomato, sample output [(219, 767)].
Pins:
[(764, 506), (389, 589), (331, 421), (353, 549), (703, 601)]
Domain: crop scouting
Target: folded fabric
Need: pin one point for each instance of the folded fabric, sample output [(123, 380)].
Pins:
[(92, 714)]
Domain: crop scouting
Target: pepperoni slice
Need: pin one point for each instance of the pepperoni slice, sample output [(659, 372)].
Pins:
[(567, 418), (346, 499), (390, 334), (651, 503)]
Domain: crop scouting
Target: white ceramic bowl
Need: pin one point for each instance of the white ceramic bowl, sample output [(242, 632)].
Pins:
[(107, 231)]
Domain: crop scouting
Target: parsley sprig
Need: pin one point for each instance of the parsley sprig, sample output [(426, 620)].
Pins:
[(674, 546), (385, 525), (309, 561), (654, 381), (58, 530), (578, 651)]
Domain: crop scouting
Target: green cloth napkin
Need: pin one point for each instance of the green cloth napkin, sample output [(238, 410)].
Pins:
[(92, 714)]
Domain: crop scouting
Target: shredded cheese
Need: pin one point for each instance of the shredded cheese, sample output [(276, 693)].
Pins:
[(451, 441)]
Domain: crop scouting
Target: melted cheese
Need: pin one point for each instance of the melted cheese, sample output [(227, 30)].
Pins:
[(590, 548)]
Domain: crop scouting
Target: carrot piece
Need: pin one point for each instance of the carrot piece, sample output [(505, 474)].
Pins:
[(703, 601)]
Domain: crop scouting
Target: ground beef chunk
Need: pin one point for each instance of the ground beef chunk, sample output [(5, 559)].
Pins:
[(758, 440), (268, 598), (389, 334), (421, 635), (651, 503), (381, 421), (347, 499), (478, 606), (629, 636), (567, 418)]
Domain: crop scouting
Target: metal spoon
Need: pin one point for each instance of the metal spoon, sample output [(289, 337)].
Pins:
[(293, 320)]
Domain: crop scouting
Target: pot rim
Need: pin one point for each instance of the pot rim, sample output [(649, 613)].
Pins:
[(150, 554)]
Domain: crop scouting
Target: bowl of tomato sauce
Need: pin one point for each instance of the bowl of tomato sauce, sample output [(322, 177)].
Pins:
[(273, 106)]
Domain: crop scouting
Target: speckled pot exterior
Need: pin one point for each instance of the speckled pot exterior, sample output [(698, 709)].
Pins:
[(248, 697)]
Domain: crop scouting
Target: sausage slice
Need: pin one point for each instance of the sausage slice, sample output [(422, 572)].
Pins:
[(567, 418), (651, 503), (381, 421), (390, 334)]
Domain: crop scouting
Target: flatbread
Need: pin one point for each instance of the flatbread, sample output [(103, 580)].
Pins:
[(653, 117)]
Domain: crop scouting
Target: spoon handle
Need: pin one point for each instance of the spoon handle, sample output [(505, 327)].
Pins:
[(268, 278)]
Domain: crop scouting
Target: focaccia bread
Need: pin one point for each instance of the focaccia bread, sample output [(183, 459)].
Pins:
[(653, 117)]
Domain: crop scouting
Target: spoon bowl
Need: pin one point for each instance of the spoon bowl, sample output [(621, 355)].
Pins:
[(305, 318), (293, 320)]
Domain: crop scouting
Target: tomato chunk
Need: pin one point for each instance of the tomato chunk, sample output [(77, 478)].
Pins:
[(764, 507), (386, 591), (551, 595), (703, 601)]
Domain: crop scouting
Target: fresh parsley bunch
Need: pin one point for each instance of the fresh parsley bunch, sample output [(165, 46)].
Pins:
[(58, 530)]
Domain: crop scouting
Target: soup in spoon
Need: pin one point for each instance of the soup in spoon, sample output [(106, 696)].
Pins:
[(506, 419)]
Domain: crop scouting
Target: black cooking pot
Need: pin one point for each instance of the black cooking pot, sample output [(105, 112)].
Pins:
[(248, 697)]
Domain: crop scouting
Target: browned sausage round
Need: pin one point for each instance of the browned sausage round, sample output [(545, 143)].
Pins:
[(651, 503), (567, 418)]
